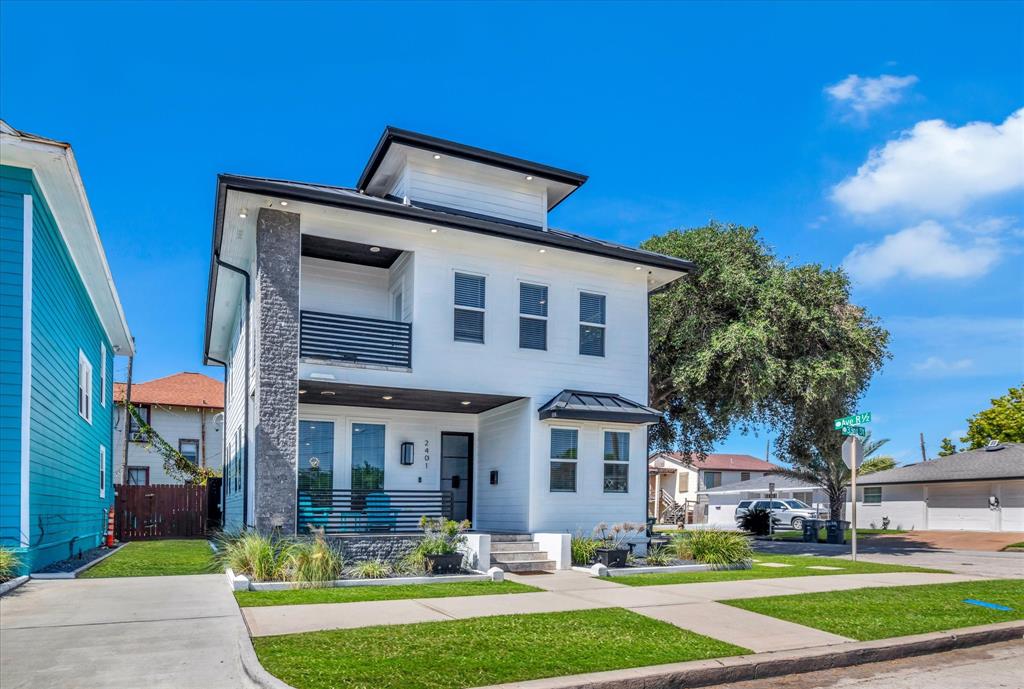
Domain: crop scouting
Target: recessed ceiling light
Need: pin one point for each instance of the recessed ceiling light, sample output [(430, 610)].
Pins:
[(302, 392), (241, 213), (638, 268), (386, 397), (542, 251), (433, 230), (284, 203), (327, 393), (374, 249), (464, 403), (437, 156), (529, 178)]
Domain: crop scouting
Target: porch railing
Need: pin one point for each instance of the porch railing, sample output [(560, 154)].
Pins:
[(355, 339), (370, 511)]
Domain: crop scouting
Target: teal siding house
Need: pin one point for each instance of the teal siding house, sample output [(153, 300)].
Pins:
[(61, 325)]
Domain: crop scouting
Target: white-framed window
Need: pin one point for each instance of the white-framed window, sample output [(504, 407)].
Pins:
[(873, 495), (533, 316), (103, 471), (470, 302), (616, 461), (189, 449), (103, 375), (84, 387), (564, 455), (592, 323)]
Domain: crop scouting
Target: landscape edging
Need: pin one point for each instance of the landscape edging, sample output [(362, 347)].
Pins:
[(12, 584), (74, 574)]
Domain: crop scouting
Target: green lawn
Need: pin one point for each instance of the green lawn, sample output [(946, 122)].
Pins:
[(799, 535), (481, 651), (798, 568), (248, 599), (156, 558), (879, 613), (1015, 546)]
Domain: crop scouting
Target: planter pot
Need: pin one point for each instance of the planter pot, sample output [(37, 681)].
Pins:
[(612, 557), (444, 564)]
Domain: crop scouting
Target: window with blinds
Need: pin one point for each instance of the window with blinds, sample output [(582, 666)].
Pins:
[(592, 324), (470, 291), (533, 316), (616, 462), (564, 450)]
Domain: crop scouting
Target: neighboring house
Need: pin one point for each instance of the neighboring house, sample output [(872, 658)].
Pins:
[(722, 501), (976, 490), (676, 480), (185, 410), (62, 326), (425, 338)]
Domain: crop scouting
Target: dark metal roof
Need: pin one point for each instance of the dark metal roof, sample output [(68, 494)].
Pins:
[(393, 135), (982, 464), (578, 405)]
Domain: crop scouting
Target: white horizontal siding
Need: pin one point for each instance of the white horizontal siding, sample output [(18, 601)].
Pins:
[(504, 446), (478, 193), (344, 288)]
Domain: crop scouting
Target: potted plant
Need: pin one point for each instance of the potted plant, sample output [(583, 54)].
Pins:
[(440, 545), (616, 542)]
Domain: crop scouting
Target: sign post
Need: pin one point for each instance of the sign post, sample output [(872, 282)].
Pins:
[(853, 456), (771, 513)]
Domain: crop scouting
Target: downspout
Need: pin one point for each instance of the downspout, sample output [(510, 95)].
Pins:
[(245, 397), (224, 446)]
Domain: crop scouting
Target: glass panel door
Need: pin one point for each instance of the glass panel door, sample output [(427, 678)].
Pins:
[(367, 456), (316, 455), (457, 472)]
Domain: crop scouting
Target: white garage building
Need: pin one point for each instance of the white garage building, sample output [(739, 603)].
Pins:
[(977, 490)]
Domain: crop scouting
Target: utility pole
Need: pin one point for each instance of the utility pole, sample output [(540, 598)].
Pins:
[(924, 455), (127, 421)]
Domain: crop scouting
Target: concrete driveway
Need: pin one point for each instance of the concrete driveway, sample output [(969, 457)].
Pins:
[(146, 632)]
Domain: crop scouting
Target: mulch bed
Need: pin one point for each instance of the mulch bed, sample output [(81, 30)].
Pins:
[(73, 563)]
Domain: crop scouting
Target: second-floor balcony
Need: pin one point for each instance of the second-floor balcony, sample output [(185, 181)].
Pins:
[(355, 339)]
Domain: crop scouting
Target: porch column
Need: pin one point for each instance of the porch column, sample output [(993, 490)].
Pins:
[(277, 356), (657, 496)]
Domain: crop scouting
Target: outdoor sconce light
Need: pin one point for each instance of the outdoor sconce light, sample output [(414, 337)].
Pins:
[(407, 450), (494, 477)]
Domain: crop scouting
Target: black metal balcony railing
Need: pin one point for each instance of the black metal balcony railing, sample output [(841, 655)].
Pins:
[(356, 339), (370, 511)]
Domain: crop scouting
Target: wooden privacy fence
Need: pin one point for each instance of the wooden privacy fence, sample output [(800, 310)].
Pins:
[(160, 511)]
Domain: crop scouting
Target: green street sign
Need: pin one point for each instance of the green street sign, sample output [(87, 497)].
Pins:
[(858, 431), (853, 420)]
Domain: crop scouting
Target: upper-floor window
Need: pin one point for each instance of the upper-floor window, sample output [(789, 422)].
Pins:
[(84, 387), (189, 449), (744, 475), (564, 453), (103, 471), (103, 375), (616, 462), (712, 479), (470, 301), (533, 316), (134, 429), (592, 323)]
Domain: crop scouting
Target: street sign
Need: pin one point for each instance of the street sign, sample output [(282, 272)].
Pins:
[(853, 420), (858, 431)]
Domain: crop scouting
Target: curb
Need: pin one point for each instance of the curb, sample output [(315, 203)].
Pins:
[(258, 677), (703, 673), (12, 584)]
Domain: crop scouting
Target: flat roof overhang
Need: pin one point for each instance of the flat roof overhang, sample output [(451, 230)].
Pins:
[(409, 399)]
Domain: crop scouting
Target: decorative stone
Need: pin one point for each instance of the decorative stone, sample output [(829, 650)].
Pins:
[(599, 570), (496, 574)]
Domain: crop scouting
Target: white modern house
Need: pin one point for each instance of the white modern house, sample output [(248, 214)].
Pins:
[(677, 482), (976, 490), (424, 342), (185, 409)]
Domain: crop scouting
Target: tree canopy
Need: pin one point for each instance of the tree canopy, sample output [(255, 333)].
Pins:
[(751, 340), (947, 448), (1003, 421)]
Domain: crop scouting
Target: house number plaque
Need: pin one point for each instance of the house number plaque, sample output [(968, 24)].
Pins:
[(426, 454)]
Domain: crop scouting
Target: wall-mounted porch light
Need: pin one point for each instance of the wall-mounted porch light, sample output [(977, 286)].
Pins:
[(407, 450)]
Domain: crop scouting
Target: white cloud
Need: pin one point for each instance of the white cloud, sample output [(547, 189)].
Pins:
[(935, 365), (938, 168), (927, 250), (864, 95)]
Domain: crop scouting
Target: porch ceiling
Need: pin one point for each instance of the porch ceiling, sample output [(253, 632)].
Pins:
[(349, 252), (346, 394)]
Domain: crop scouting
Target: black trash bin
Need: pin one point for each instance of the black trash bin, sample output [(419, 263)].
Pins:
[(836, 531), (811, 529)]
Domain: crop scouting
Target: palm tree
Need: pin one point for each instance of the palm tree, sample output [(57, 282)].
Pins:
[(825, 468)]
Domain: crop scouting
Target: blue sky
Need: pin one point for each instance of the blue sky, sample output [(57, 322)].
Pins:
[(879, 135)]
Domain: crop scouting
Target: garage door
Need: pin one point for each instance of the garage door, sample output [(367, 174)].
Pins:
[(963, 508), (1011, 498)]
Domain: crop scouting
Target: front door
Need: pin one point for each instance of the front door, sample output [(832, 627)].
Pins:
[(457, 472)]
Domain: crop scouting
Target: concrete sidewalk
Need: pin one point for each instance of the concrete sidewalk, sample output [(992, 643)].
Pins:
[(133, 632), (689, 606)]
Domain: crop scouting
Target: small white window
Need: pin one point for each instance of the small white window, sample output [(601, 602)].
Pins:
[(564, 455), (103, 471), (616, 462), (533, 316), (84, 387), (470, 301), (592, 324), (873, 495), (103, 375)]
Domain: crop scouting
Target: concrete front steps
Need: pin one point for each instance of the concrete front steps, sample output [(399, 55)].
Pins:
[(519, 553)]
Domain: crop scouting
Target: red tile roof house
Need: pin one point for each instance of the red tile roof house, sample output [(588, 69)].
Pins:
[(675, 480), (186, 410)]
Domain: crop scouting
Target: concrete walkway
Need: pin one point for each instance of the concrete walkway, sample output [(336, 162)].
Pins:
[(146, 632), (690, 606)]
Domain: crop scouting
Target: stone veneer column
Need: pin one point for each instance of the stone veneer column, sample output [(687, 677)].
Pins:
[(277, 353)]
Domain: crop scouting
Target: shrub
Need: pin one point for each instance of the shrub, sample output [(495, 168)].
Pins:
[(658, 556), (9, 563), (442, 536), (254, 555), (375, 568), (584, 549), (616, 536), (756, 521), (312, 563), (713, 547)]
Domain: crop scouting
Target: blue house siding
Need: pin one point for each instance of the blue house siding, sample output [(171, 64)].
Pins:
[(14, 184), (66, 511)]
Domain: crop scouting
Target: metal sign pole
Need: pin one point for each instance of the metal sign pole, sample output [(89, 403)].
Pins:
[(853, 483)]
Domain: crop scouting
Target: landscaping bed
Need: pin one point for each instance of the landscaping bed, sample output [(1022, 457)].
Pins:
[(767, 567), (880, 613), (247, 599), (156, 558), (71, 567), (481, 651)]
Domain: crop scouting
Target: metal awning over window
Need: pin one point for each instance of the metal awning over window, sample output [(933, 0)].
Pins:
[(596, 406)]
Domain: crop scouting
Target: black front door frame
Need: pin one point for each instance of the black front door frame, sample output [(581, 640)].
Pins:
[(469, 467)]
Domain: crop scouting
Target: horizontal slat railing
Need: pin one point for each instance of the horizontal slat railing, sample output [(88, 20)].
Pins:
[(356, 339), (370, 511)]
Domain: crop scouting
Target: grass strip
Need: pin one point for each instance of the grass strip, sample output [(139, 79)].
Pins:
[(156, 558), (352, 594), (880, 613), (481, 651)]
